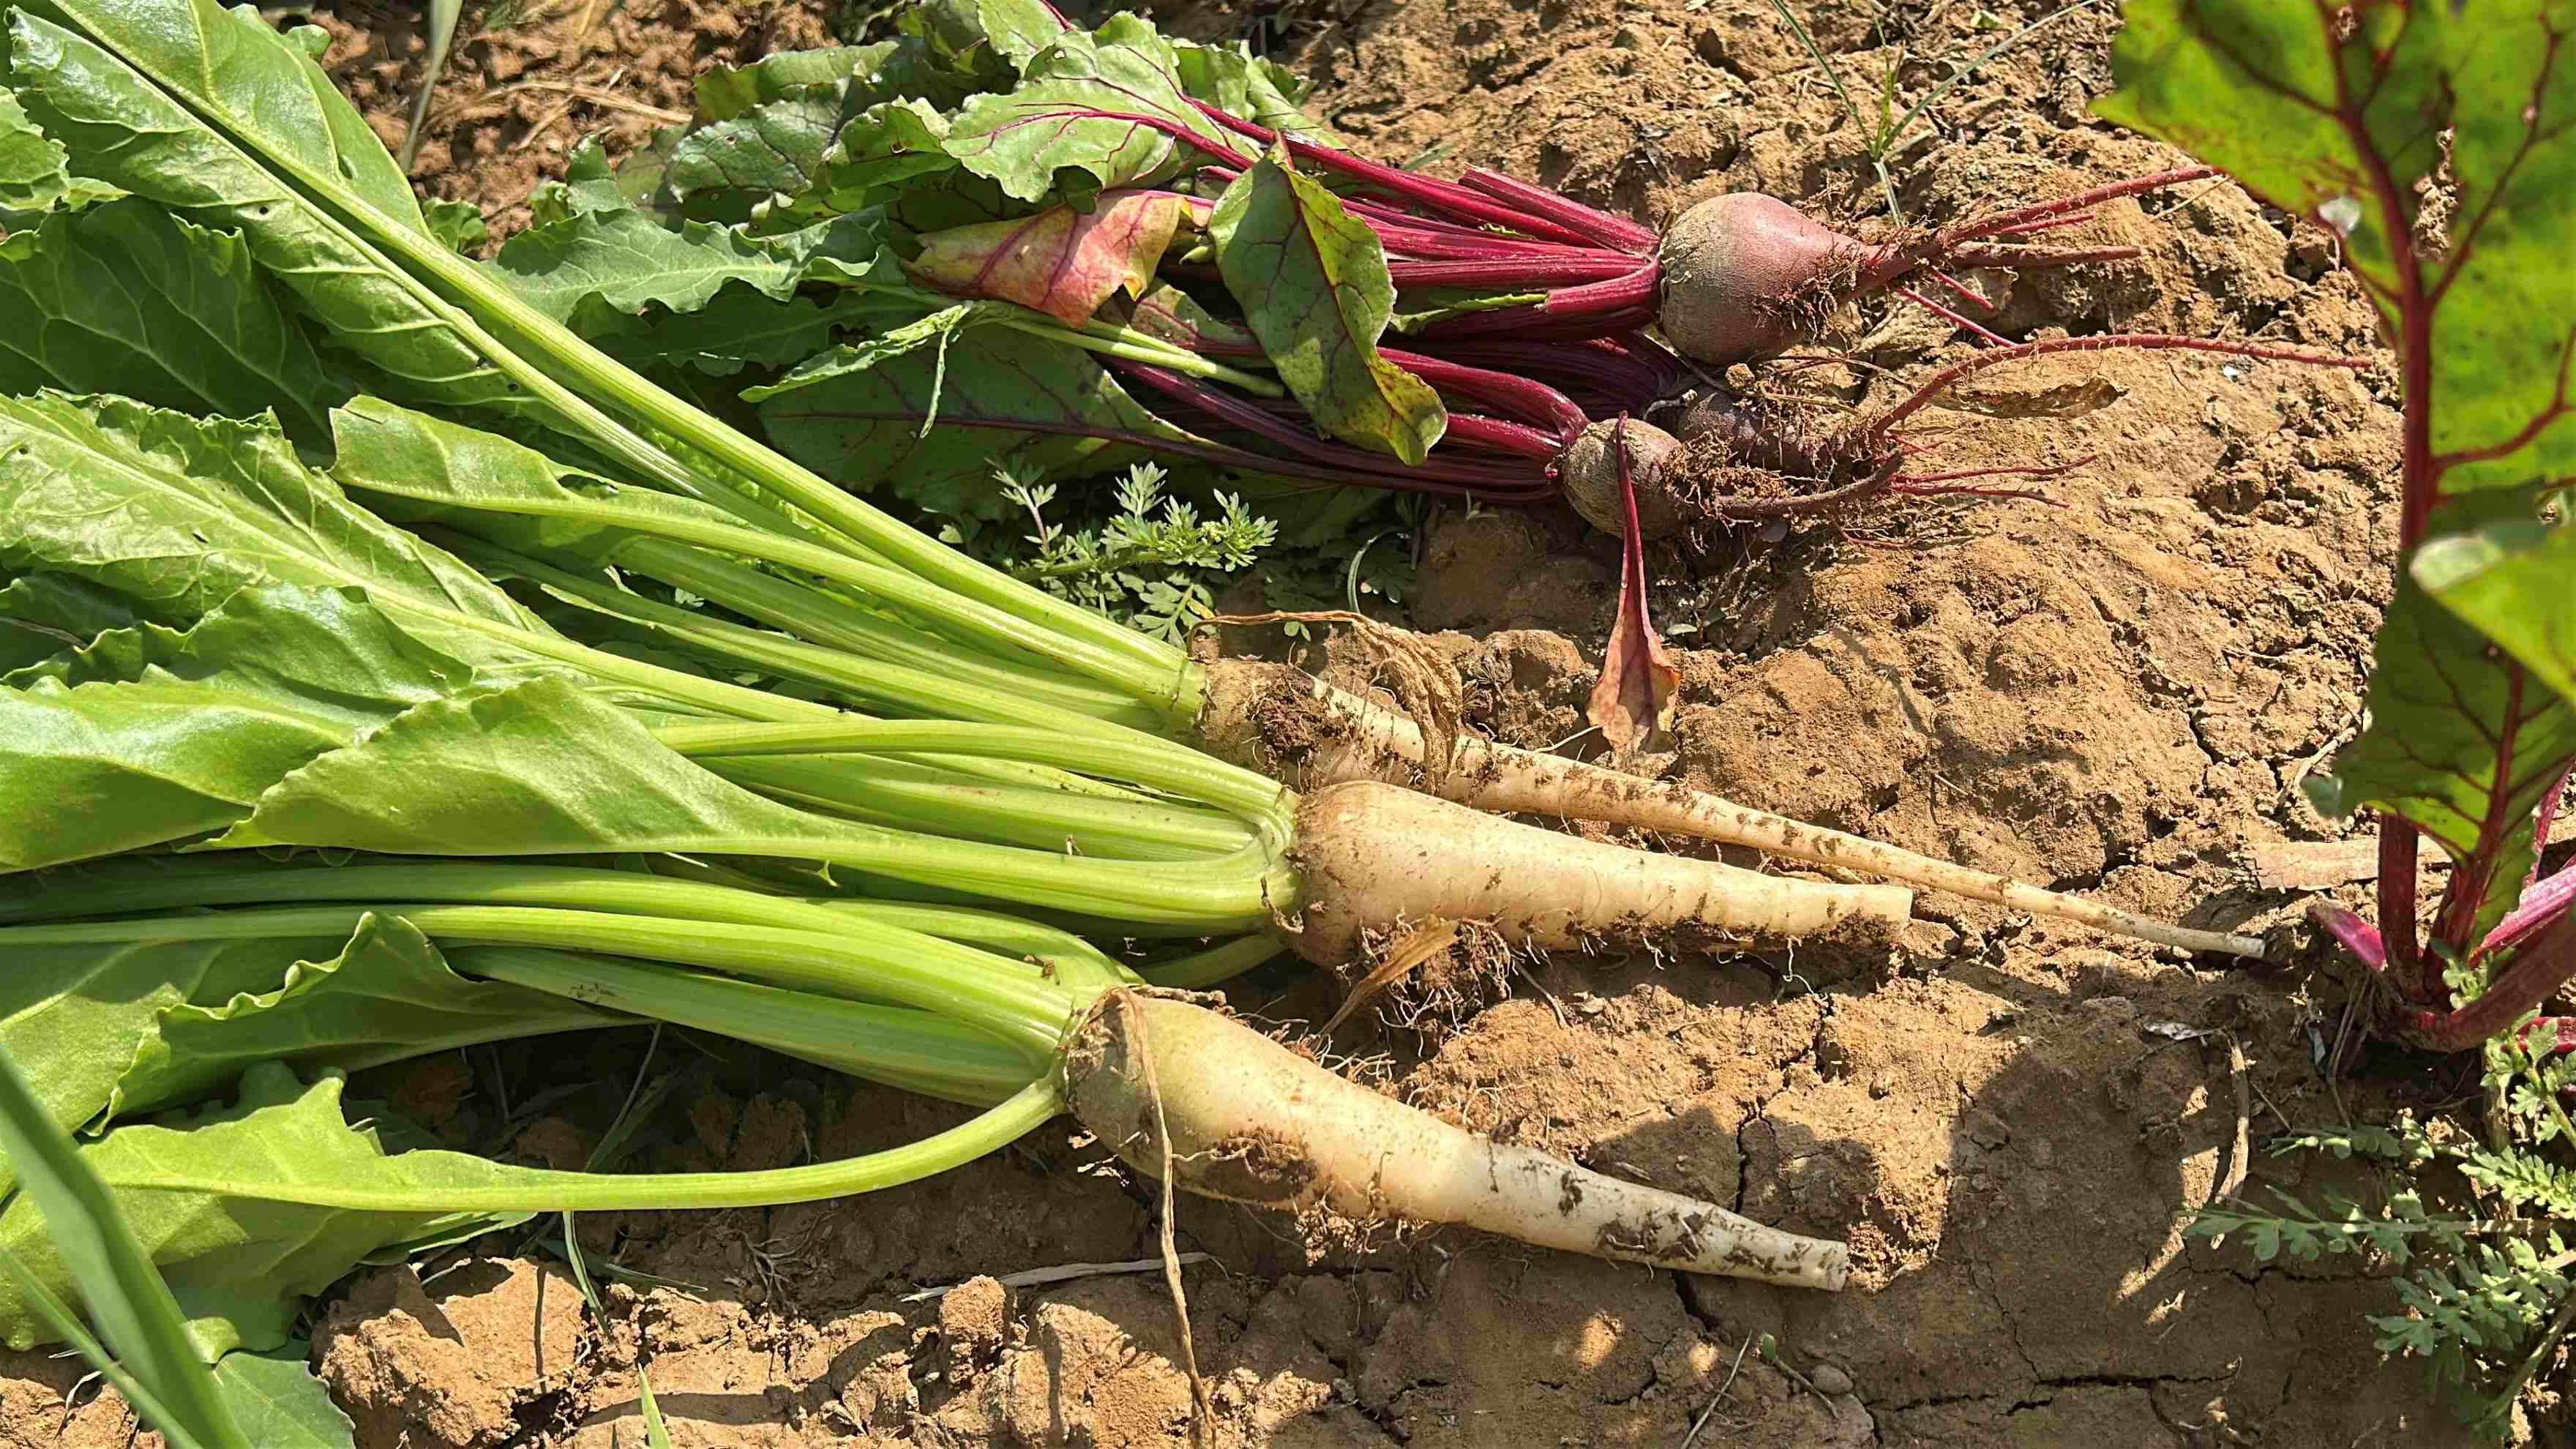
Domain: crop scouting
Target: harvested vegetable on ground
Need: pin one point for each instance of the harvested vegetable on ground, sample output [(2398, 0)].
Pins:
[(1166, 257)]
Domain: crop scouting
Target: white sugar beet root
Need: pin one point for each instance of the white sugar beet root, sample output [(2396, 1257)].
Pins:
[(1252, 1122), (1277, 719), (1371, 855)]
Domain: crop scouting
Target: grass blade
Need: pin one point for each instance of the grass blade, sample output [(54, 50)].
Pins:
[(439, 20), (131, 1304)]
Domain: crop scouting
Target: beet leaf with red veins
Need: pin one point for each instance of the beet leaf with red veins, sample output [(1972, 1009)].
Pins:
[(2338, 114)]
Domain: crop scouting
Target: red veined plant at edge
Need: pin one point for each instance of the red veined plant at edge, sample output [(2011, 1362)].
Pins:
[(2439, 143), (2338, 114)]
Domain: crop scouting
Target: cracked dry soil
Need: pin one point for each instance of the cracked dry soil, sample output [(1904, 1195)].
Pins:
[(2117, 694)]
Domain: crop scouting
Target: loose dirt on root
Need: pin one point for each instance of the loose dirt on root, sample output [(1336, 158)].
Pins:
[(2116, 693)]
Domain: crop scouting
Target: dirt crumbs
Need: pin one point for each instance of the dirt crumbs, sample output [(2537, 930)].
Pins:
[(2116, 692)]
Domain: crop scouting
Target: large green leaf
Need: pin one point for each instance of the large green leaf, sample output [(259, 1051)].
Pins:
[(177, 513), (740, 328), (240, 1267), (248, 81), (1313, 284), (1258, 90), (124, 298), (150, 736), (729, 91), (74, 1016), (776, 149), (278, 1401), (588, 184), (32, 177), (890, 144), (2516, 582), (424, 469), (45, 615), (624, 261), (1074, 111), (537, 768), (2463, 742), (861, 415), (386, 995), (2341, 114)]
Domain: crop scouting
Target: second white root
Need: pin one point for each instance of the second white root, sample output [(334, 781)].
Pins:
[(1252, 1122), (1278, 719), (1375, 856)]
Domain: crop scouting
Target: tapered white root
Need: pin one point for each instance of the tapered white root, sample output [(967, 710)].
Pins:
[(1253, 1122), (1294, 727), (1371, 855)]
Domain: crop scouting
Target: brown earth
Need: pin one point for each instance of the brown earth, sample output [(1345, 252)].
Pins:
[(2116, 694)]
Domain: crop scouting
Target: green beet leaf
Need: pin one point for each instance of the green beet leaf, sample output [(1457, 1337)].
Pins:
[(862, 413), (740, 328), (1258, 90), (1074, 111), (240, 1266), (730, 91), (588, 184), (2464, 743), (124, 298), (150, 736), (2516, 582), (775, 150), (388, 994), (459, 224), (1313, 284), (620, 262)]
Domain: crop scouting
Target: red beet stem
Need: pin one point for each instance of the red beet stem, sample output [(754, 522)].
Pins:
[(1444, 196), (1600, 366), (1483, 479), (1521, 396), (1613, 230), (1524, 274), (1498, 435), (1535, 324)]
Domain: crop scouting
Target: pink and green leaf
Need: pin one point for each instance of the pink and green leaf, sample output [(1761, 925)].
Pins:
[(1062, 262), (1313, 285)]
